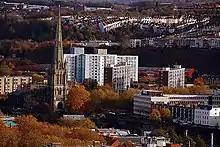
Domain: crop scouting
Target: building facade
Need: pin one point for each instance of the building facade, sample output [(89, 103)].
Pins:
[(58, 75), (172, 77), (143, 102), (15, 83), (207, 115), (147, 98), (92, 66), (182, 114), (118, 76)]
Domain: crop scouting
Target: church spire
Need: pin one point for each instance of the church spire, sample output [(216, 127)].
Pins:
[(58, 51)]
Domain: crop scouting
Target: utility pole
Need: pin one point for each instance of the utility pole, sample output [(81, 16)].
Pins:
[(186, 134), (212, 142)]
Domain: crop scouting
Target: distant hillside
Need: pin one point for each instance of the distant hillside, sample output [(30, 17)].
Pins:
[(206, 61)]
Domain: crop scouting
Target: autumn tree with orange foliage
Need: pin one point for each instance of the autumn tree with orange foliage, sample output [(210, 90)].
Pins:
[(129, 94), (86, 135), (199, 82), (28, 128), (147, 80), (155, 115), (85, 123), (30, 132), (165, 114), (187, 90), (8, 136), (104, 97), (105, 92), (126, 99), (77, 99)]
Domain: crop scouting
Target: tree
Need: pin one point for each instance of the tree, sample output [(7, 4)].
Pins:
[(200, 142), (28, 128), (125, 43), (68, 122), (98, 94), (30, 132), (147, 80), (8, 136), (127, 144), (165, 113), (90, 84), (155, 115), (128, 94), (199, 82), (44, 112), (104, 97), (188, 90), (126, 99), (37, 78), (175, 138), (5, 70), (159, 132), (11, 65), (86, 135), (188, 141), (77, 99), (103, 93), (18, 73)]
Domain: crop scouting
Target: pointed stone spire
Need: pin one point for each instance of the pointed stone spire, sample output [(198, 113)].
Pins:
[(58, 51)]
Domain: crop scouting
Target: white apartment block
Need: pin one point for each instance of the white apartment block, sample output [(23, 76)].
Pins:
[(118, 76), (12, 84), (172, 77), (207, 116), (130, 60), (91, 66)]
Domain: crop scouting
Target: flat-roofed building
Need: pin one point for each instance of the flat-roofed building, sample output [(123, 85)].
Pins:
[(143, 102), (118, 76), (172, 77), (10, 84)]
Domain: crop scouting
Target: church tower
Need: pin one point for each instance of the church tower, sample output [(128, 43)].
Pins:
[(58, 76)]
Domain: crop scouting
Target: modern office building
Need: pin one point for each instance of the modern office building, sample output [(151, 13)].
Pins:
[(92, 66), (172, 77), (12, 84), (144, 101)]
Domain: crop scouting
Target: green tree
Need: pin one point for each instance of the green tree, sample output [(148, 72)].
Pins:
[(160, 132), (188, 141), (200, 142), (175, 138)]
